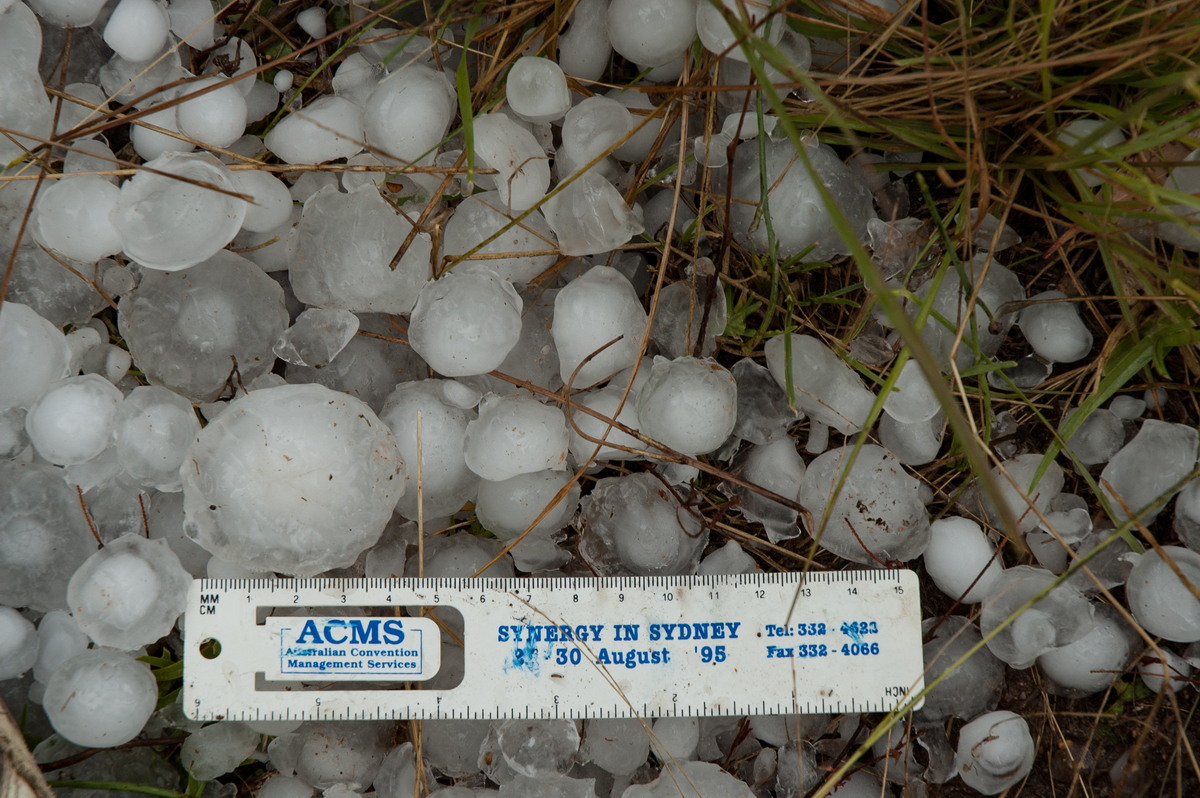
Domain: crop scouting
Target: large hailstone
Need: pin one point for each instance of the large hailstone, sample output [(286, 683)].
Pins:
[(598, 319), (129, 593), (35, 355), (688, 404), (466, 323), (298, 479), (515, 435), (1057, 619), (408, 113), (100, 698), (822, 385), (995, 751), (1159, 599), (72, 422), (876, 516)]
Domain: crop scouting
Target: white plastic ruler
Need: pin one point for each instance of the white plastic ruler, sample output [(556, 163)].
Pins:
[(356, 649)]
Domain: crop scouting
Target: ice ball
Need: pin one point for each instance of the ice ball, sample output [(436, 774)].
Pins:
[(995, 751), (137, 29), (960, 559), (537, 90), (523, 169), (35, 355), (1058, 618), (407, 115), (515, 435), (214, 113), (590, 216), (481, 217), (100, 698), (18, 644), (465, 323), (1146, 472), (719, 37), (68, 13), (688, 404), (962, 690), (129, 593), (598, 319), (328, 128), (297, 479), (73, 420), (194, 331), (1054, 329), (154, 427), (634, 525), (271, 202), (179, 214), (217, 749), (651, 32), (1158, 597), (821, 383), (73, 217), (1094, 661)]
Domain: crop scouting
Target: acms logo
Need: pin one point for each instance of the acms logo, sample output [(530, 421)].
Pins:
[(374, 631)]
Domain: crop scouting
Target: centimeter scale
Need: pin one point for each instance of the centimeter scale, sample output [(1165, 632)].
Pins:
[(362, 649)]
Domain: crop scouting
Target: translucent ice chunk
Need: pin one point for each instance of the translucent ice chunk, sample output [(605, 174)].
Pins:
[(100, 698), (154, 427), (593, 310), (515, 435), (342, 251), (398, 774), (178, 215), (1094, 661), (584, 50), (537, 90), (913, 444), (129, 593), (73, 217), (651, 33), (680, 317), (60, 640), (280, 786), (330, 127), (271, 202), (1026, 502), (995, 751), (482, 216), (72, 422), (799, 216), (217, 749), (216, 118), (447, 483), (1141, 478), (1054, 329), (194, 22), (1185, 179), (591, 131), (452, 746), (1187, 515), (408, 113), (324, 754), (763, 414), (43, 536), (1158, 597), (19, 644), (675, 738), (297, 479), (691, 780), (1057, 619), (619, 745), (961, 560), (1165, 671), (590, 216), (719, 37), (912, 398), (509, 507), (825, 387), (137, 29), (876, 517), (688, 404), (587, 431), (729, 559), (192, 330), (317, 336), (633, 525), (966, 689), (466, 323), (776, 466), (68, 13), (1098, 438), (538, 748), (1077, 131), (523, 170)]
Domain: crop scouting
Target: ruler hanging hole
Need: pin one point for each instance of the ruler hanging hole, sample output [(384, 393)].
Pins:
[(210, 648)]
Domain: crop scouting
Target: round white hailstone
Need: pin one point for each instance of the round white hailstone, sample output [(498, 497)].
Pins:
[(43, 536), (1018, 491), (799, 214), (675, 738), (298, 479), (523, 169), (312, 21), (187, 329), (509, 507), (216, 118), (481, 217), (73, 218), (72, 421), (35, 355), (272, 201), (60, 640), (446, 482), (651, 32), (961, 561), (324, 754), (217, 749), (18, 644), (154, 427), (718, 37), (589, 215), (632, 525), (1094, 661), (702, 778), (1054, 329), (68, 13), (129, 593), (1076, 131), (1159, 599), (283, 80), (1057, 619), (465, 323), (539, 749), (280, 786), (100, 698), (137, 29), (1165, 671), (407, 115), (588, 429), (167, 223), (618, 745), (593, 309), (912, 398), (194, 22), (584, 51), (537, 90), (638, 146), (151, 144), (688, 404), (452, 746), (821, 383), (262, 99), (328, 128), (592, 129), (515, 435), (877, 515), (995, 751)]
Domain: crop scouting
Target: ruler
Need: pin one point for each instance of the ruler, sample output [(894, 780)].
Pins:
[(609, 647)]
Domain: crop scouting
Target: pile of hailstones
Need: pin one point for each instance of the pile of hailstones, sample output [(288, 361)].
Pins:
[(273, 321)]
